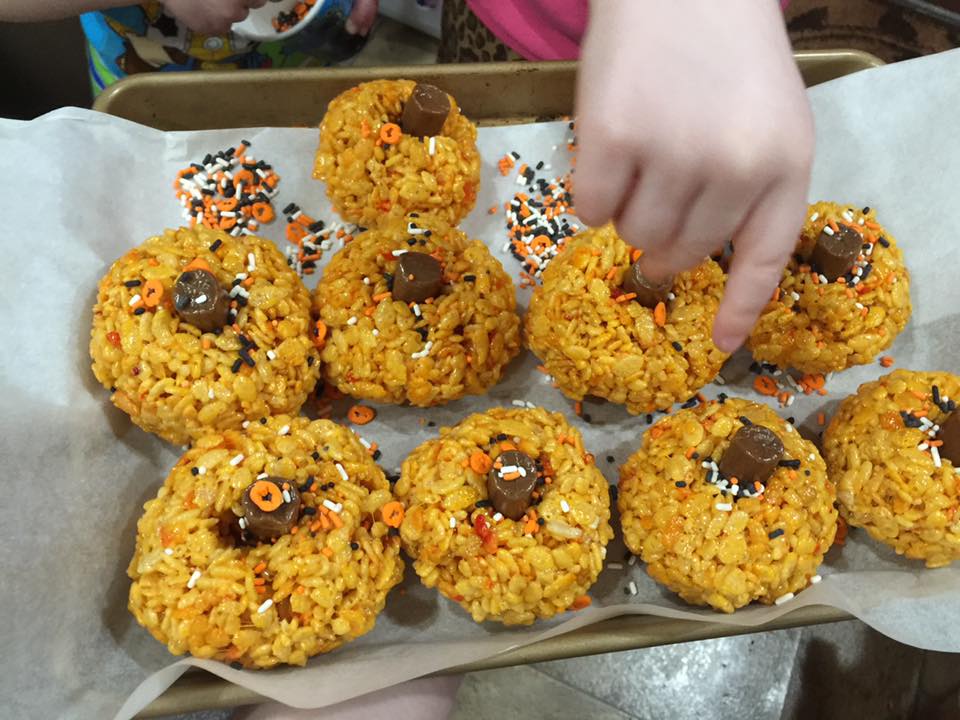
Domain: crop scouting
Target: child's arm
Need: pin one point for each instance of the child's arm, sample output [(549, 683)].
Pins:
[(203, 16), (694, 127)]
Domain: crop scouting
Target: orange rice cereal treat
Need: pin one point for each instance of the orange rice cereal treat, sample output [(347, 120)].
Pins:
[(844, 297), (415, 311), (391, 147), (601, 328), (267, 546), (893, 450), (197, 331), (727, 504), (507, 514)]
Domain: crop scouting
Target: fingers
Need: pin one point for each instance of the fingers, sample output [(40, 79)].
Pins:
[(254, 4), (652, 219), (362, 17), (763, 246)]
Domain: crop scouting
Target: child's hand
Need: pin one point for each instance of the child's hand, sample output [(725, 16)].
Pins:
[(211, 17), (694, 127)]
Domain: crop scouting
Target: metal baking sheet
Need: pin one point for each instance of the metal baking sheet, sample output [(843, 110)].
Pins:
[(490, 94)]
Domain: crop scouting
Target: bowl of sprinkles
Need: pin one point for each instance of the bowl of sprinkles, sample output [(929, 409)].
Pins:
[(281, 19)]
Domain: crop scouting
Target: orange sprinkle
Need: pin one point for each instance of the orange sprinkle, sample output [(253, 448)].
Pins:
[(259, 581), (935, 443), (152, 293), (689, 453), (261, 589), (581, 602), (886, 361), (316, 525), (361, 414), (320, 334), (626, 297), (381, 296), (390, 133), (660, 314), (872, 225), (364, 129), (578, 408), (918, 395), (635, 254), (392, 513), (656, 431), (611, 272), (259, 567), (821, 419), (266, 495), (765, 385), (841, 536), (326, 552), (480, 462)]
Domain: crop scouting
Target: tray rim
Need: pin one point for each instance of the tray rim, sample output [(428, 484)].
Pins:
[(199, 690)]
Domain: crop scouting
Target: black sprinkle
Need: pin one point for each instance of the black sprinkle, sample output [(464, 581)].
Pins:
[(423, 331), (411, 242), (263, 421), (614, 492), (132, 283), (541, 521), (806, 472), (695, 456), (936, 395), (236, 365), (794, 464), (309, 511), (236, 665), (866, 210), (677, 346), (610, 458), (113, 388), (394, 532), (754, 367), (951, 406), (139, 311), (289, 209), (311, 360), (792, 420), (470, 278), (377, 454), (515, 154), (692, 402), (501, 437), (722, 398), (776, 533), (680, 484), (216, 245), (909, 420), (745, 420), (648, 418), (883, 241), (354, 546), (245, 357), (414, 214), (586, 417), (316, 227), (483, 503), (431, 423), (194, 471)]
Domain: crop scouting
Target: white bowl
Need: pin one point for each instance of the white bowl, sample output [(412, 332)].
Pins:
[(259, 23)]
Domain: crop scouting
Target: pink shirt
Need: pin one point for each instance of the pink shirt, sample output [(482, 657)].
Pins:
[(539, 29)]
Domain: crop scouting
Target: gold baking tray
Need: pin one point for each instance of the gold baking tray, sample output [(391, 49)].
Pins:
[(490, 94)]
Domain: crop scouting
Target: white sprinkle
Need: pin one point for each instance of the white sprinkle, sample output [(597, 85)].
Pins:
[(332, 506), (453, 522), (811, 457), (935, 454), (343, 473), (352, 320), (284, 430), (201, 470), (237, 459), (828, 230), (376, 333), (210, 393), (795, 295), (398, 253), (366, 281), (615, 566), (735, 489), (519, 403), (815, 579), (815, 217), (266, 606), (168, 551), (365, 443), (193, 579), (632, 560), (497, 517), (724, 507), (783, 599), (565, 506), (227, 213), (134, 300), (671, 296), (848, 216), (506, 247), (271, 355), (632, 587), (262, 476), (718, 380), (824, 281), (432, 146), (245, 424), (242, 522), (286, 496), (790, 401), (416, 310), (859, 306), (922, 446), (423, 353)]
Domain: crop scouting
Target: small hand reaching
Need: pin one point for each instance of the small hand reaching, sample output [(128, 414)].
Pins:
[(694, 128)]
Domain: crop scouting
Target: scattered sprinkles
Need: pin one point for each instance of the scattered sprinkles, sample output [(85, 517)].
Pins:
[(228, 190)]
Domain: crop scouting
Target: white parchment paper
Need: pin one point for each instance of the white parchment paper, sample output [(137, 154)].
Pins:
[(80, 188)]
